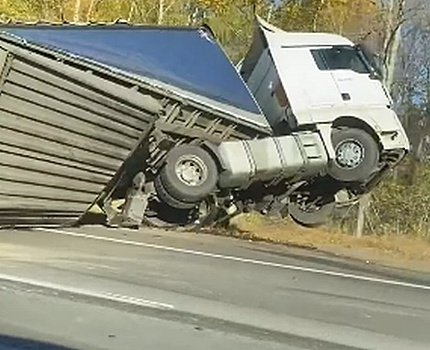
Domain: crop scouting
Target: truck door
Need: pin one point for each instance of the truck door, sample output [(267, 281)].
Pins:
[(308, 88), (352, 76)]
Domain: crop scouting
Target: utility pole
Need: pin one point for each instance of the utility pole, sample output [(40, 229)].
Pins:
[(361, 217)]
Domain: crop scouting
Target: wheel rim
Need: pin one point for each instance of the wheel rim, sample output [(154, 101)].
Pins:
[(308, 206), (310, 212), (349, 154), (191, 170)]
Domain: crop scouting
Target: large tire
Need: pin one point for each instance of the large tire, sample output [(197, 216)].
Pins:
[(189, 175), (166, 198), (356, 155), (311, 218)]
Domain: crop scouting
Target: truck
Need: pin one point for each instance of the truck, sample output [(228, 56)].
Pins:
[(155, 125)]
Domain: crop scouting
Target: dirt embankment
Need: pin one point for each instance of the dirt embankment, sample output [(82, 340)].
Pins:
[(393, 250)]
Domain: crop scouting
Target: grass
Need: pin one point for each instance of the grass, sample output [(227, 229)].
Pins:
[(404, 251)]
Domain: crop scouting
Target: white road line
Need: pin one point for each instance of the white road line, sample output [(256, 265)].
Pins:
[(88, 293), (239, 259)]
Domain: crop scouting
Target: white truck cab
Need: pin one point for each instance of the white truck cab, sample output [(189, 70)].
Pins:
[(319, 80), (325, 84)]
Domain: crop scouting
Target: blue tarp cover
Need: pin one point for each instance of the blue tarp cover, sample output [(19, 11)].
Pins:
[(187, 58)]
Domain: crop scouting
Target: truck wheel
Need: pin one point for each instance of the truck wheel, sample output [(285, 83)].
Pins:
[(311, 214), (189, 175), (356, 155), (166, 198)]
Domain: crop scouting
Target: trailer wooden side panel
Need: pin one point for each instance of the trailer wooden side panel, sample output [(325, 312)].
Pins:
[(64, 135)]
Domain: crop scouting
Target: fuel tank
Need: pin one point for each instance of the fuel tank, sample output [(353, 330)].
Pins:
[(300, 155)]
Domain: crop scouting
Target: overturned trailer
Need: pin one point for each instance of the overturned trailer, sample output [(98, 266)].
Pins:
[(159, 119)]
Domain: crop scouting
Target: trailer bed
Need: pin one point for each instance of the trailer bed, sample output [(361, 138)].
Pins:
[(64, 135)]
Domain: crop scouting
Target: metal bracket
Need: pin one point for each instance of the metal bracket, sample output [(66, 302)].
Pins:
[(136, 203)]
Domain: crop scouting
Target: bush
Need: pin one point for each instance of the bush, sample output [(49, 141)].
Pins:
[(398, 206)]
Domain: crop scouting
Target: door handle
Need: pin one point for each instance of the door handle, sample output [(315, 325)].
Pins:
[(346, 96)]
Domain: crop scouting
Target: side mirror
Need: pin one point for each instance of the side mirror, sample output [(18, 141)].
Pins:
[(375, 75), (373, 60)]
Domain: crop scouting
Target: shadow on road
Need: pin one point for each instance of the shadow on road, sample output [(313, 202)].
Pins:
[(14, 343)]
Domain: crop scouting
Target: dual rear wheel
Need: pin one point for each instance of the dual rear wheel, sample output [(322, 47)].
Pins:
[(188, 176)]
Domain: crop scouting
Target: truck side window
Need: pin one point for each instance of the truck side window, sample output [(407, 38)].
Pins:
[(339, 58)]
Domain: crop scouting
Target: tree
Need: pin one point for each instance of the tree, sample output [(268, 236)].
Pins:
[(233, 21), (352, 18), (77, 12)]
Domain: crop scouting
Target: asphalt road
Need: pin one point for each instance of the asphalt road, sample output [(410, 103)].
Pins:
[(99, 288)]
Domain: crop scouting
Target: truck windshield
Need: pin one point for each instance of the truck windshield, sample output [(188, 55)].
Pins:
[(341, 57)]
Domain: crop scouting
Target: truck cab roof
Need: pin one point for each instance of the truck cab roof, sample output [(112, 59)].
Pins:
[(289, 39), (308, 39)]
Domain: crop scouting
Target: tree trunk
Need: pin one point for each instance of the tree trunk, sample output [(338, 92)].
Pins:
[(392, 43), (316, 15), (160, 12), (91, 8), (270, 12), (77, 12), (131, 12), (392, 39)]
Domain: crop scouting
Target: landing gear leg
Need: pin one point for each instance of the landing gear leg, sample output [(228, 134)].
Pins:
[(135, 204)]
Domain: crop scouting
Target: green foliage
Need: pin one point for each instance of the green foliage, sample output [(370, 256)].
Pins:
[(232, 20), (401, 207), (353, 17)]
